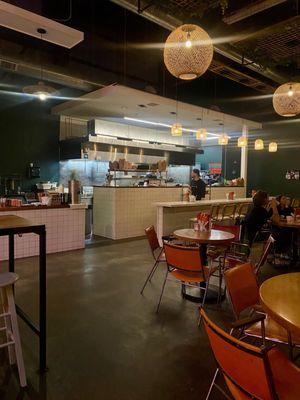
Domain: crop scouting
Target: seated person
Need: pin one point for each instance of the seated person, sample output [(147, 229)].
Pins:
[(284, 207), (261, 212), (283, 236)]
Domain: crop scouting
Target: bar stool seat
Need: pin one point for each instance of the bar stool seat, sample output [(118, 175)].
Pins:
[(10, 327), (8, 278)]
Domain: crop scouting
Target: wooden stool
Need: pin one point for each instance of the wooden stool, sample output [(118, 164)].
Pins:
[(10, 327)]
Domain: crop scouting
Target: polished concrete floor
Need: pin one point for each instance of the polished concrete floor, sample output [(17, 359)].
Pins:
[(105, 340)]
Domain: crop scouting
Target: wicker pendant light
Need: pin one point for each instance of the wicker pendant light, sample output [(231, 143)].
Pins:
[(223, 139), (242, 141), (176, 129), (286, 99), (188, 52), (273, 147), (201, 134), (258, 144)]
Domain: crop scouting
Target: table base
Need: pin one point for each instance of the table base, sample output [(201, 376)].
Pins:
[(195, 295)]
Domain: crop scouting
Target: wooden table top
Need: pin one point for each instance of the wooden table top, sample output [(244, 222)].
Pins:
[(212, 237), (285, 224), (280, 297), (13, 221)]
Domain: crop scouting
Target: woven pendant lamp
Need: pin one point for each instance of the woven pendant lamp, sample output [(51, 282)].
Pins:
[(258, 144), (223, 139), (188, 52), (273, 147), (286, 99), (176, 130)]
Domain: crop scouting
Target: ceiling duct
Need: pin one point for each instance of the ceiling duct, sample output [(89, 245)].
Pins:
[(167, 21), (250, 9)]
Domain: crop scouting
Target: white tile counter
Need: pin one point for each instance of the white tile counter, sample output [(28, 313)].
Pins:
[(65, 230), (176, 215), (120, 213)]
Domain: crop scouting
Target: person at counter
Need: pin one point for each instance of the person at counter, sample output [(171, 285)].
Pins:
[(198, 186)]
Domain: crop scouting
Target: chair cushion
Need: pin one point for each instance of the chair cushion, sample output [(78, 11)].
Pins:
[(274, 332), (286, 375)]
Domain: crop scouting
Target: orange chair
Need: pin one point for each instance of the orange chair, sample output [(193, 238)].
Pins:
[(251, 372), (232, 260), (186, 266), (156, 250), (243, 292)]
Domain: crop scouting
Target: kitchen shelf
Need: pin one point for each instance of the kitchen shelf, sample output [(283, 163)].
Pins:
[(136, 170)]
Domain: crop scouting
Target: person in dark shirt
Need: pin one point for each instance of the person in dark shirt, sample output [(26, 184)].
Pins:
[(283, 236), (259, 215), (284, 208), (198, 186)]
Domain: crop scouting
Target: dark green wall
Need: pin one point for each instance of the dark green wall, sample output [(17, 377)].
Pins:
[(266, 170), (29, 133), (211, 154)]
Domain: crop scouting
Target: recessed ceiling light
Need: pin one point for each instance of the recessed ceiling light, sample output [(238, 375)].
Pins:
[(142, 105), (173, 112), (152, 104)]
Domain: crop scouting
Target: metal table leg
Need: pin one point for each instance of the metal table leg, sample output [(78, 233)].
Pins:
[(43, 305)]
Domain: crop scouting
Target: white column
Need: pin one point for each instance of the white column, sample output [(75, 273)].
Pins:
[(244, 157)]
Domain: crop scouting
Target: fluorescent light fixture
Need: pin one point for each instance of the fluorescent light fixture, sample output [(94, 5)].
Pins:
[(143, 121)]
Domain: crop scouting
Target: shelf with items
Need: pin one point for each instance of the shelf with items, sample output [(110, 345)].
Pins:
[(141, 175)]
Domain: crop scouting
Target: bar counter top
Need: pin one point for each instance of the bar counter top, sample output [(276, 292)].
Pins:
[(175, 204), (41, 207), (31, 207)]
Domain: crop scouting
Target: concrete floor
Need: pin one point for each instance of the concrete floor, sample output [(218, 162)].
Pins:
[(105, 340)]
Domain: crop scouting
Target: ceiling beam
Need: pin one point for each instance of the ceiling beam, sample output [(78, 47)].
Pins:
[(250, 10)]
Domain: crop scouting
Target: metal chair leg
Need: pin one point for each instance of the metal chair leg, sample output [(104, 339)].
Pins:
[(212, 384), (162, 291), (150, 276)]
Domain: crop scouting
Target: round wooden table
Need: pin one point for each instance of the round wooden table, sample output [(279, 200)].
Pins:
[(213, 237), (280, 297)]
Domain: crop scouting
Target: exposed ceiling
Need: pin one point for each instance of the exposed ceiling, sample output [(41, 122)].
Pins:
[(263, 36)]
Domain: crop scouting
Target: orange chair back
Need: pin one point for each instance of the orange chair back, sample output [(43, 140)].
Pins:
[(245, 366), (234, 229), (242, 287), (184, 258), (152, 238), (266, 251)]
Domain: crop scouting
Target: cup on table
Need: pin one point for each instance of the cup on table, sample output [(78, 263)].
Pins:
[(289, 219), (192, 198)]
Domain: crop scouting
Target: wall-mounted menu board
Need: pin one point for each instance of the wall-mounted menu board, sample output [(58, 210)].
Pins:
[(215, 168), (292, 175)]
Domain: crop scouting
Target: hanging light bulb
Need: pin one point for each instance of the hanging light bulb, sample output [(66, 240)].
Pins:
[(259, 144), (188, 52), (286, 99), (273, 147), (223, 139), (176, 129), (242, 141), (40, 90), (201, 134)]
